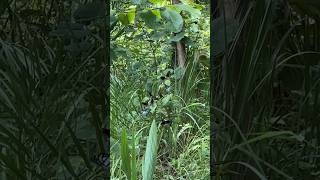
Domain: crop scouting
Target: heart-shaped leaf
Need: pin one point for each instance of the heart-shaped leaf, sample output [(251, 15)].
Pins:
[(174, 18)]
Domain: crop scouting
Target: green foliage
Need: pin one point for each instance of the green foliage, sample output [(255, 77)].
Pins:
[(125, 155), (174, 18), (146, 90)]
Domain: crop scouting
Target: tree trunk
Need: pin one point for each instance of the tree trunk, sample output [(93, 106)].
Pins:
[(179, 50), (180, 54)]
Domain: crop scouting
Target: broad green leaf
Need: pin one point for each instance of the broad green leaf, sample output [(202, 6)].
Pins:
[(150, 156), (195, 13), (177, 37), (149, 18), (131, 16), (125, 156), (174, 18), (123, 17), (157, 13), (193, 4)]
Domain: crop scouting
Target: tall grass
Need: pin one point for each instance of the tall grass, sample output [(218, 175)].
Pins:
[(188, 132), (259, 93), (50, 113), (37, 103)]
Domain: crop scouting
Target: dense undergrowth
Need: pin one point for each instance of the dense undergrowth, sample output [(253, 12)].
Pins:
[(146, 88)]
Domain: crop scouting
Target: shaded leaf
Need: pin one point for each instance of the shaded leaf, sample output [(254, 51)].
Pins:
[(174, 18), (219, 35), (149, 18), (194, 13), (177, 37)]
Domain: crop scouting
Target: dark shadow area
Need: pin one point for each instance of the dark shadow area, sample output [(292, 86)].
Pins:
[(53, 89), (265, 90)]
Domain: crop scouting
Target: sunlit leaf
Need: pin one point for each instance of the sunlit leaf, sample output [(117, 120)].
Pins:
[(131, 16), (150, 156), (123, 17)]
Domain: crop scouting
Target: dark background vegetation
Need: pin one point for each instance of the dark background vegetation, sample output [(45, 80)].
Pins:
[(265, 89), (53, 88)]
